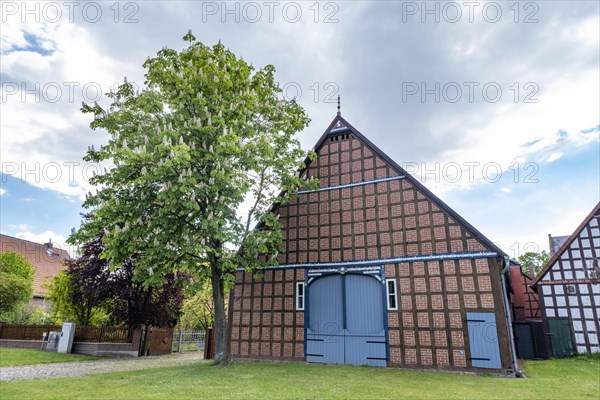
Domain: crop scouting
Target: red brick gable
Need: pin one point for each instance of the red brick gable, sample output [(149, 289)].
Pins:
[(368, 208)]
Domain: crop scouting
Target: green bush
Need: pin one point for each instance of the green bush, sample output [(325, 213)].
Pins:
[(16, 282), (27, 314)]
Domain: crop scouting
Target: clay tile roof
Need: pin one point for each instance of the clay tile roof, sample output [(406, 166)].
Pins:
[(47, 261)]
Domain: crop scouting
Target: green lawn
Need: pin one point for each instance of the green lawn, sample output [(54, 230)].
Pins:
[(10, 357), (554, 379)]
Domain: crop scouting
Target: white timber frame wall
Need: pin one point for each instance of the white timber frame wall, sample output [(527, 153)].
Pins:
[(568, 285)]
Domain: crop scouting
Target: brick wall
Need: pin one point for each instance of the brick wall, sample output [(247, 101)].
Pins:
[(377, 220), (22, 344), (264, 320), (429, 327)]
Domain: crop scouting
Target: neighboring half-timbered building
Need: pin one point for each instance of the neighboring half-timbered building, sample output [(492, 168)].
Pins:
[(569, 290), (523, 298), (529, 336), (375, 270)]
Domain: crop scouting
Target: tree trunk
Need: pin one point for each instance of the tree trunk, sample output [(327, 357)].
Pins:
[(222, 354)]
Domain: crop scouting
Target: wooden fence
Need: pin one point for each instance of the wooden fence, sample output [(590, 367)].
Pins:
[(104, 334), (86, 334), (26, 332), (106, 340)]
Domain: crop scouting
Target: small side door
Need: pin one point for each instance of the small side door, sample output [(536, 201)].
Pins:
[(483, 340), (561, 337), (524, 340)]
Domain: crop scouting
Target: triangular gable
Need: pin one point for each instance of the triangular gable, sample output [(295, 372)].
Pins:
[(339, 126), (553, 260)]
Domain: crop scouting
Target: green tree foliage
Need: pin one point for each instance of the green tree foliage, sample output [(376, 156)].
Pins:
[(28, 314), (198, 310), (131, 302), (533, 259), (89, 292), (208, 133), (58, 291), (66, 309), (16, 281)]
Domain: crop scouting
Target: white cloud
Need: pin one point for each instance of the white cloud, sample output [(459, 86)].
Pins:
[(14, 31), (43, 135), (518, 241), (21, 227), (565, 105), (46, 136), (41, 237), (367, 54), (2, 192), (58, 241), (555, 156), (584, 33)]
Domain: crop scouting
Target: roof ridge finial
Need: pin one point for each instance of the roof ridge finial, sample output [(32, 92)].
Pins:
[(339, 107)]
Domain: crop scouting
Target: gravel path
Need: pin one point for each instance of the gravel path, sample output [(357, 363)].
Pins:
[(60, 370)]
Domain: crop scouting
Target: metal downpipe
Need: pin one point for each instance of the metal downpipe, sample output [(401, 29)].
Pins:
[(513, 352)]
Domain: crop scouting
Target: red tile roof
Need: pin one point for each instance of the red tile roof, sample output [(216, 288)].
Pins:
[(47, 262)]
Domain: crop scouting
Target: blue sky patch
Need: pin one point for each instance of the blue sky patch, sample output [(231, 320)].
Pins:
[(34, 44)]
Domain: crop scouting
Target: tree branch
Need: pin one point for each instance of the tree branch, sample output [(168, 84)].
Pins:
[(261, 187)]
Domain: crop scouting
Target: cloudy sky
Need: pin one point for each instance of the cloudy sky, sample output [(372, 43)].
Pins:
[(493, 105)]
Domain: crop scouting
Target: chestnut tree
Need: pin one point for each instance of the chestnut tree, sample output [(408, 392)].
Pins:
[(199, 156)]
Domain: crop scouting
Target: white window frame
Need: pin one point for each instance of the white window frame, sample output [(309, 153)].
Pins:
[(388, 294), (300, 296)]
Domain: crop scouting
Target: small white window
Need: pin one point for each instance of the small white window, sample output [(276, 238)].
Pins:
[(300, 296), (392, 299)]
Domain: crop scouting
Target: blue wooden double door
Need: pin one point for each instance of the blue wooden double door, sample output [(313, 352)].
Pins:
[(345, 323)]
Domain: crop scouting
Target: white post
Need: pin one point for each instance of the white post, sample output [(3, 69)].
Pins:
[(43, 339), (65, 342)]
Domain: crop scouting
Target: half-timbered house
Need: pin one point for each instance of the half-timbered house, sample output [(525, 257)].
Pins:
[(569, 290), (375, 270), (529, 333)]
